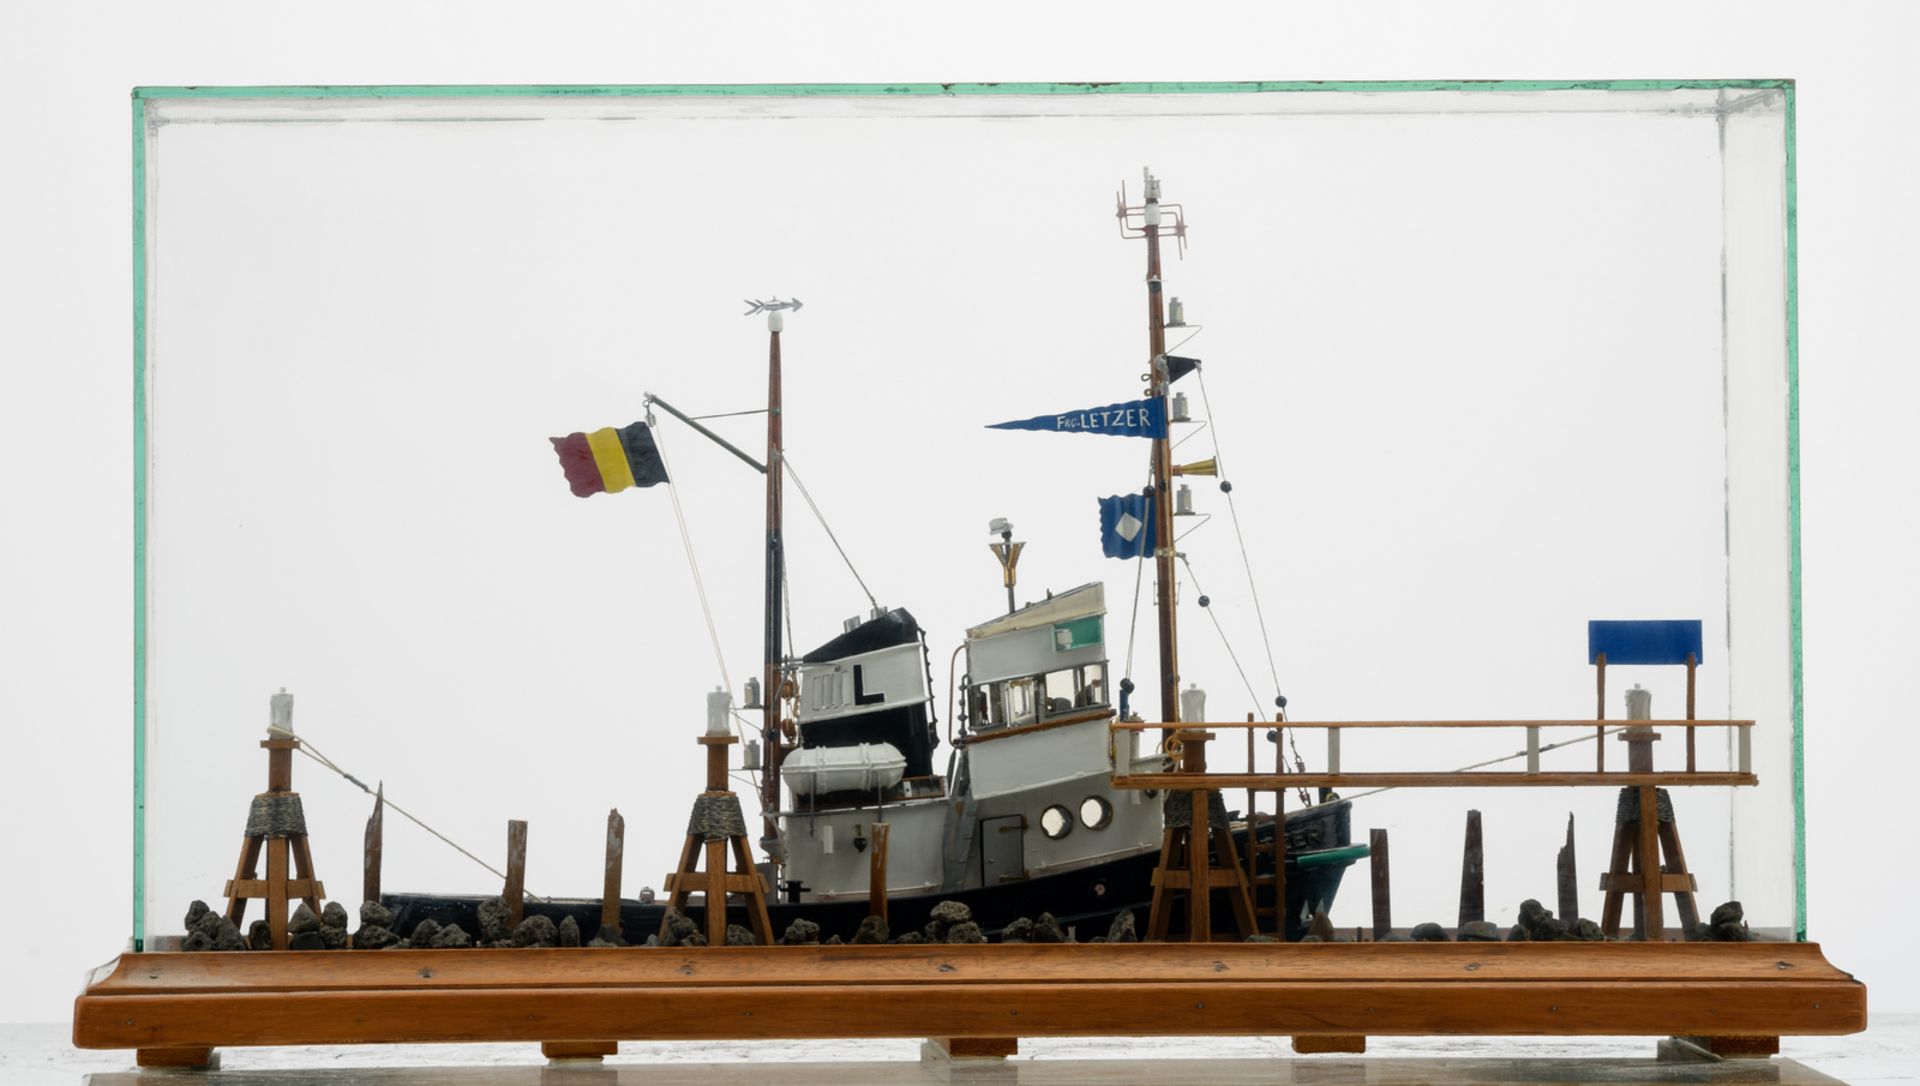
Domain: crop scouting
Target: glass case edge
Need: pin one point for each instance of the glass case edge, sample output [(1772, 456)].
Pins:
[(1793, 523), (140, 483), (510, 90)]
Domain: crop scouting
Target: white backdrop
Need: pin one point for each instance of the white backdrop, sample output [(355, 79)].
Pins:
[(63, 437)]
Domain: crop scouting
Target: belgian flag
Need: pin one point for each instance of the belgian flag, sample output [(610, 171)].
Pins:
[(610, 460)]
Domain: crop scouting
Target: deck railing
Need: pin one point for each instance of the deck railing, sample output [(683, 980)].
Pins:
[(1533, 776)]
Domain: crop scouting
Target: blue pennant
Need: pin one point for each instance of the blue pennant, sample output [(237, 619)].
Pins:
[(1134, 418)]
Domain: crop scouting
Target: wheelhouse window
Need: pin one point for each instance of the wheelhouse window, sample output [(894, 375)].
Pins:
[(1065, 692)]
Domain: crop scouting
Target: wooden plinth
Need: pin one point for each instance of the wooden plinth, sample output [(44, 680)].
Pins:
[(161, 1000), (578, 1050)]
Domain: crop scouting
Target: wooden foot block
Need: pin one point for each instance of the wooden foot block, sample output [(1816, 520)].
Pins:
[(578, 1050), (1319, 1044), (976, 1048), (1739, 1047), (198, 1059)]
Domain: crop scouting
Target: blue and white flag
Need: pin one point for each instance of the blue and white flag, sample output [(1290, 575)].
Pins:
[(1135, 418), (1126, 526)]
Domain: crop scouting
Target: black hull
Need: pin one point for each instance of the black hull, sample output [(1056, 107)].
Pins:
[(1086, 900)]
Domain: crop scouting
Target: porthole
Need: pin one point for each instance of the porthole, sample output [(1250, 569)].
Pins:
[(1095, 813), (1056, 822)]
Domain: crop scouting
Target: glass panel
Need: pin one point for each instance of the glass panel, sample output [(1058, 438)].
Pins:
[(1495, 360)]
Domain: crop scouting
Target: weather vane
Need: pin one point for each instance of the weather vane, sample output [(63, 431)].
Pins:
[(773, 306)]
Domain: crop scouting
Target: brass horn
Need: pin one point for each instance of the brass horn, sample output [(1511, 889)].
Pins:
[(1199, 467)]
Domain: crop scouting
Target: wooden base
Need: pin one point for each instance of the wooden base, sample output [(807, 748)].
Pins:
[(176, 1000), (1321, 1044), (186, 1059), (578, 1050), (975, 1048)]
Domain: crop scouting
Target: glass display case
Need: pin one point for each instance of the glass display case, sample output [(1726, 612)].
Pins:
[(1497, 360)]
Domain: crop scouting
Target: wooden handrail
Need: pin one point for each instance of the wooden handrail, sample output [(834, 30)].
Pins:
[(1142, 725), (1502, 779)]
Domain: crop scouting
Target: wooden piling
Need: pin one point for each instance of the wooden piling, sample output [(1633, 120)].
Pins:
[(1473, 874), (371, 849), (1382, 884), (515, 894), (877, 870), (610, 892), (1569, 878)]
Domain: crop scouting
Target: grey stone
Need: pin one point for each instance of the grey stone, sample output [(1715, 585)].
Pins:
[(260, 935), (195, 912), (1394, 937), (373, 937), (453, 935), (1260, 937), (680, 931), (1518, 934), (372, 912), (335, 916), (307, 940), (739, 936), (1478, 931), (227, 937), (654, 940), (1048, 930), (872, 930), (1430, 933), (495, 921), (1122, 930), (833, 940), (966, 932), (569, 932), (1586, 931), (197, 941), (1020, 931), (1532, 913), (1311, 938), (608, 935), (945, 915), (424, 932), (303, 919), (802, 932), (907, 937), (535, 931), (332, 938)]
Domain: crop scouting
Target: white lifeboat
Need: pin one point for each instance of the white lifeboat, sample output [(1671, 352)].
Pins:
[(864, 767)]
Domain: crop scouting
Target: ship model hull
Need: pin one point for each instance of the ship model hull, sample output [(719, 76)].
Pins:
[(1085, 901)]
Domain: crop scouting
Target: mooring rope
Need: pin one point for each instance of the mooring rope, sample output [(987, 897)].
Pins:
[(307, 748), (1221, 630)]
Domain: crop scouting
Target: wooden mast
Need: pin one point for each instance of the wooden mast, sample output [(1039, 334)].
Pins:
[(1162, 468), (775, 573)]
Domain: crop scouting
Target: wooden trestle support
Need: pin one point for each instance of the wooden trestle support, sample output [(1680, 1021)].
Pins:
[(715, 828), (1195, 828), (276, 825)]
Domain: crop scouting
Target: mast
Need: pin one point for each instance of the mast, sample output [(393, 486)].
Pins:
[(775, 573), (1163, 569)]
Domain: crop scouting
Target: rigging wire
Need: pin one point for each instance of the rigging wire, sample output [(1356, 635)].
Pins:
[(731, 414), (686, 541), (787, 463), (1246, 562), (1224, 641), (307, 748), (1507, 758), (1139, 569)]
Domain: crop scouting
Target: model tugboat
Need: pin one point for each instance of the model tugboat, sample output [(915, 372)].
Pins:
[(1020, 818)]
